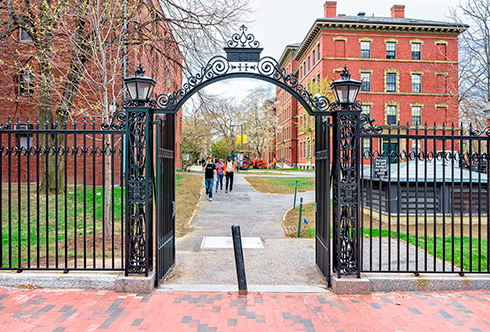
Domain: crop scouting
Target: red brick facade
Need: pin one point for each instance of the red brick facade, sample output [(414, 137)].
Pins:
[(411, 67), (18, 53)]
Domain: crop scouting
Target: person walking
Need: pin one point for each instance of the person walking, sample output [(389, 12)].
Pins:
[(220, 168), (229, 168), (209, 175), (274, 162), (237, 162)]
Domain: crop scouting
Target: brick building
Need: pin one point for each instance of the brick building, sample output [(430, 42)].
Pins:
[(19, 82), (409, 70)]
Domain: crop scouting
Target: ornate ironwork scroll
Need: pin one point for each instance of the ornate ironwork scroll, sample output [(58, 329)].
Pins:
[(243, 58), (139, 190), (346, 191)]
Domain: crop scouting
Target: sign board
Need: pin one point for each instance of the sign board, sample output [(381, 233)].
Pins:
[(243, 54), (381, 168), (239, 138)]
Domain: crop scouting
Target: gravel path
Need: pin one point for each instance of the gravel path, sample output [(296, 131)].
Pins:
[(282, 261)]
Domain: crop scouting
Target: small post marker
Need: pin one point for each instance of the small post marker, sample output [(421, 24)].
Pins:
[(295, 191), (239, 262), (300, 209)]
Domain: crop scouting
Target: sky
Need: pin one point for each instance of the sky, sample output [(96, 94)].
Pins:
[(277, 23)]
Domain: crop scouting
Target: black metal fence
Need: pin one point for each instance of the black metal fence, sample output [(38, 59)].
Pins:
[(424, 199), (62, 196)]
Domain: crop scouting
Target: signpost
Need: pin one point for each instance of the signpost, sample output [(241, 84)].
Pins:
[(381, 168)]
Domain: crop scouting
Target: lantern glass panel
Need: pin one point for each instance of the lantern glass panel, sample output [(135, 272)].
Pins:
[(143, 89), (342, 93), (354, 89), (132, 89)]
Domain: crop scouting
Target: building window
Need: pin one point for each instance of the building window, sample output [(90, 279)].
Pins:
[(416, 83), (416, 115), (416, 47), (301, 149), (390, 82), (390, 115), (24, 36), (318, 52), (366, 146), (366, 81), (366, 109), (26, 83), (309, 64), (390, 50), (313, 57), (365, 49)]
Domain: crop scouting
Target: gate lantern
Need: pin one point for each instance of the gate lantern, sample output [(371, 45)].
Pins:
[(345, 171), (139, 86), (345, 89)]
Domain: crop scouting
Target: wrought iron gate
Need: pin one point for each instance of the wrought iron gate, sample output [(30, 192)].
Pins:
[(243, 60), (323, 128), (165, 196)]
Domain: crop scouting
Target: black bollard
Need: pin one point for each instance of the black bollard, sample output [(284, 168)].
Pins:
[(240, 263)]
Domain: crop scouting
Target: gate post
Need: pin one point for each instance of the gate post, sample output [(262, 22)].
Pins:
[(139, 190), (346, 195)]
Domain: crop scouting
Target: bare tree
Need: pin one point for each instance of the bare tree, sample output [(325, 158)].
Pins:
[(256, 114), (196, 137), (474, 58), (60, 34)]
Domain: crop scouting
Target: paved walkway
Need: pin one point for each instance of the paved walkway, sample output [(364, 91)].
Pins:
[(282, 261), (40, 310)]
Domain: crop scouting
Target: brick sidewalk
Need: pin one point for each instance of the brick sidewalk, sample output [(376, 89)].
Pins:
[(45, 310)]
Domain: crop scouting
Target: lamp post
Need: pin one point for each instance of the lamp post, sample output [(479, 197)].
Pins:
[(345, 89), (139, 87), (346, 177), (241, 132), (139, 174)]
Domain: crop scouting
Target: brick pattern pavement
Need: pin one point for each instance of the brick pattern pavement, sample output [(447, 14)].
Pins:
[(44, 310)]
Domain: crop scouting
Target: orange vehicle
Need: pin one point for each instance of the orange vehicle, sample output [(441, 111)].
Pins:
[(248, 162)]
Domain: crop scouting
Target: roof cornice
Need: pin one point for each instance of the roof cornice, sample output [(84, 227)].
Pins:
[(352, 25), (290, 49)]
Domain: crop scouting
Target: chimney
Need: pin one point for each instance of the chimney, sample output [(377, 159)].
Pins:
[(398, 11), (330, 9)]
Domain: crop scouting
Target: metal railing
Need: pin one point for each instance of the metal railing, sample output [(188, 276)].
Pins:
[(62, 196), (425, 199)]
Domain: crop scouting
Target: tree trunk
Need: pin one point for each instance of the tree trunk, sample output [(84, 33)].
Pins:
[(52, 180), (108, 192)]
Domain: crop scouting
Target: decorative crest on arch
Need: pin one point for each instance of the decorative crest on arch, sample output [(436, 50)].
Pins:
[(243, 39)]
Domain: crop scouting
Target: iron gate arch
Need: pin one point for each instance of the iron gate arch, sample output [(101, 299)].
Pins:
[(242, 61)]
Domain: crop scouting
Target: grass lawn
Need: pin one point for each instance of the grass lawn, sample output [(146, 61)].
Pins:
[(281, 185), (43, 226), (71, 225), (444, 247)]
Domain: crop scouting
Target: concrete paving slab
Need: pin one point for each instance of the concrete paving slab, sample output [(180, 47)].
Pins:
[(226, 242)]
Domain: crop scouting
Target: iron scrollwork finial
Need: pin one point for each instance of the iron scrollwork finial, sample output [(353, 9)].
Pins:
[(345, 74), (242, 39), (139, 71)]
